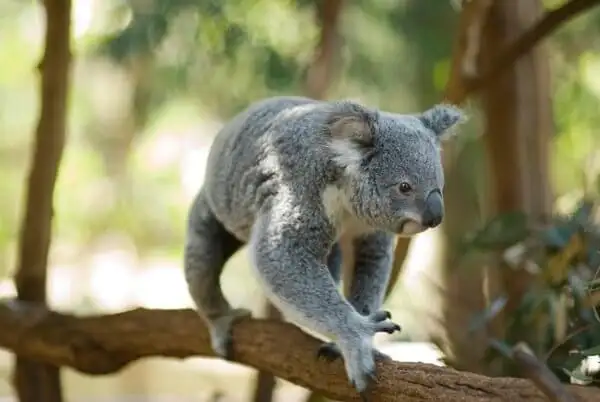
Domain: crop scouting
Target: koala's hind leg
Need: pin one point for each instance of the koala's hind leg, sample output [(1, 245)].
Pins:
[(207, 249)]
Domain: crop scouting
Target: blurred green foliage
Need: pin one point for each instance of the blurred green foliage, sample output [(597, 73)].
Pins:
[(152, 79), (559, 314), (145, 70)]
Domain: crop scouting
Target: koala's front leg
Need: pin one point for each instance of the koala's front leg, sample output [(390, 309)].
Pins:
[(373, 264), (289, 250)]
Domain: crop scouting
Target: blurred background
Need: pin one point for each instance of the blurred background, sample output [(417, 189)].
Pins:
[(152, 82)]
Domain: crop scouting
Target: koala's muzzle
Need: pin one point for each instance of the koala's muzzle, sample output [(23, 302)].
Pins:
[(434, 209)]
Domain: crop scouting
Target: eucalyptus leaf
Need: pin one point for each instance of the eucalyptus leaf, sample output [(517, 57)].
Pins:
[(583, 213), (579, 292), (570, 362), (591, 351), (501, 347), (500, 232), (578, 375), (556, 237), (479, 320)]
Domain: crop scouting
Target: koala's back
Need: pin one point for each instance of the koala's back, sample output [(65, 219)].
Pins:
[(245, 161)]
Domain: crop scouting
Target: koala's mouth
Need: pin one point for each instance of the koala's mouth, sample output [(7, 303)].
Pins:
[(409, 227)]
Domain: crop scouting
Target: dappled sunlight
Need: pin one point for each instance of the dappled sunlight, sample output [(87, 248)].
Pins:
[(161, 285), (112, 274), (153, 82)]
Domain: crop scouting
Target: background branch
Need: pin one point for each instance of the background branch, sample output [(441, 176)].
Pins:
[(106, 344), (551, 21)]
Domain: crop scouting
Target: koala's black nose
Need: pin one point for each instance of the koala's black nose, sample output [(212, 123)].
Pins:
[(434, 209)]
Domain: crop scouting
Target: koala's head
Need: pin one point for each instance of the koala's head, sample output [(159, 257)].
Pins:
[(392, 176)]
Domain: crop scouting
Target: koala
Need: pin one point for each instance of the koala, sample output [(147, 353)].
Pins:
[(287, 177)]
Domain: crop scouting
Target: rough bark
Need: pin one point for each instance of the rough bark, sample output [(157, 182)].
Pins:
[(461, 282), (497, 56), (461, 86), (104, 344), (35, 382), (518, 113)]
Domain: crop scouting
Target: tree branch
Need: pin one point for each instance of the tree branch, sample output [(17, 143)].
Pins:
[(105, 344), (551, 21)]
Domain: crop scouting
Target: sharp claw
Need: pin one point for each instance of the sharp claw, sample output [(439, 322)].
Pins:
[(328, 352), (380, 316), (389, 328), (364, 394), (229, 348)]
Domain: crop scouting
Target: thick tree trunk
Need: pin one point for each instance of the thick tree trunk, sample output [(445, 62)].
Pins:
[(36, 382), (454, 292), (518, 112), (461, 282)]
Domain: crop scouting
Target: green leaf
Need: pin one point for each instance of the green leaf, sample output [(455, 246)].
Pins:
[(579, 292), (556, 236), (441, 72), (579, 375), (500, 232), (583, 213), (593, 351), (570, 362), (501, 347), (479, 320)]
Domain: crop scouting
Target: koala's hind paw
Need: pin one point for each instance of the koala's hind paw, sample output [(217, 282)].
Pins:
[(380, 320), (220, 332), (329, 351)]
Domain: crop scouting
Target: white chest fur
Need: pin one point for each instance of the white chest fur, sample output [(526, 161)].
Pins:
[(339, 214)]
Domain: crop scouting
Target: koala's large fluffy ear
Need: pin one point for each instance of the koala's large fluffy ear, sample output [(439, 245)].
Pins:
[(441, 119), (351, 130), (350, 121)]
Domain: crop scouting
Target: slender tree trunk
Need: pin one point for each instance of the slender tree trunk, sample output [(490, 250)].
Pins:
[(36, 382)]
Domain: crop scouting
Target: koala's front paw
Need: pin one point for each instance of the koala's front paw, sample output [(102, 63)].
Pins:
[(220, 331), (329, 351), (380, 322), (358, 352), (360, 364)]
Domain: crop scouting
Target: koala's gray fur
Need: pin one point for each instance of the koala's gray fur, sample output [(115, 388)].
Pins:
[(288, 176)]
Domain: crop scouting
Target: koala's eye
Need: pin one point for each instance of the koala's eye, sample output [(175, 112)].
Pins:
[(405, 188)]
